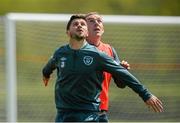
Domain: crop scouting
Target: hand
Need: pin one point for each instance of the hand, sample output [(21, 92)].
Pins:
[(45, 80), (154, 103), (125, 64)]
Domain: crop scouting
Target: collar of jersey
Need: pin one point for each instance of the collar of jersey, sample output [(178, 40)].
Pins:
[(84, 45)]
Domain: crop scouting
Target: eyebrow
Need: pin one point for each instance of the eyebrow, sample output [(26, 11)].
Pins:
[(89, 18)]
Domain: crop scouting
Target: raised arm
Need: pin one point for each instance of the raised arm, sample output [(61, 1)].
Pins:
[(125, 64), (122, 74)]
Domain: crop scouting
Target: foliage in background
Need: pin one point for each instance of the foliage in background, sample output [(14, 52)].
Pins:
[(120, 7)]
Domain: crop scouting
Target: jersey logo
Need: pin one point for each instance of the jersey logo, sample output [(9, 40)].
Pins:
[(88, 60), (63, 59)]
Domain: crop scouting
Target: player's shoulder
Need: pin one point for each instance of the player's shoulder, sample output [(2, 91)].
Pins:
[(105, 44), (90, 47), (61, 49)]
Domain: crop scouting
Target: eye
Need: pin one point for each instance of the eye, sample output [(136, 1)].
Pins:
[(91, 20), (99, 20), (75, 24), (83, 23)]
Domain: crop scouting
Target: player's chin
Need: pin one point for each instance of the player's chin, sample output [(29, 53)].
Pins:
[(98, 34)]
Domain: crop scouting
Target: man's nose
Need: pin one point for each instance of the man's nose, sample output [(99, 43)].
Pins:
[(96, 22), (79, 25)]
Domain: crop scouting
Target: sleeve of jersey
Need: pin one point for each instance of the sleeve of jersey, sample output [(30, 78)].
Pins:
[(118, 71), (49, 67), (118, 82), (115, 55)]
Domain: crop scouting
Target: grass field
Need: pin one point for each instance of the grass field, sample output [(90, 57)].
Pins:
[(152, 50)]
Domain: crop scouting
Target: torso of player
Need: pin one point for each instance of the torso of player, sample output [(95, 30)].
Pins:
[(106, 48), (76, 71)]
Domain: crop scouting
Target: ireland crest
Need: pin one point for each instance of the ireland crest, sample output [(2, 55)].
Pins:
[(88, 60)]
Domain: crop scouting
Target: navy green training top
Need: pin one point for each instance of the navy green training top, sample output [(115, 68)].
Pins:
[(80, 75)]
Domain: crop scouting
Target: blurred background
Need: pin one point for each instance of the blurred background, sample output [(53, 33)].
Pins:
[(152, 50), (117, 7)]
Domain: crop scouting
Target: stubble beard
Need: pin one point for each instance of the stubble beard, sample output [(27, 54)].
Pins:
[(78, 37)]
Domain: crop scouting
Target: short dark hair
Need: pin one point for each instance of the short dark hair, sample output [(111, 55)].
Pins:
[(73, 17)]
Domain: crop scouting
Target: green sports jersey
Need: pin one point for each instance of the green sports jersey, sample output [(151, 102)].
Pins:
[(80, 76)]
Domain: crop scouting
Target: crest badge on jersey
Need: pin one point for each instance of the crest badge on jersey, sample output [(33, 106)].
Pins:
[(88, 60)]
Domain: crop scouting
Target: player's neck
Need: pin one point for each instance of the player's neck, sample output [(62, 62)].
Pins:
[(74, 44), (94, 41)]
